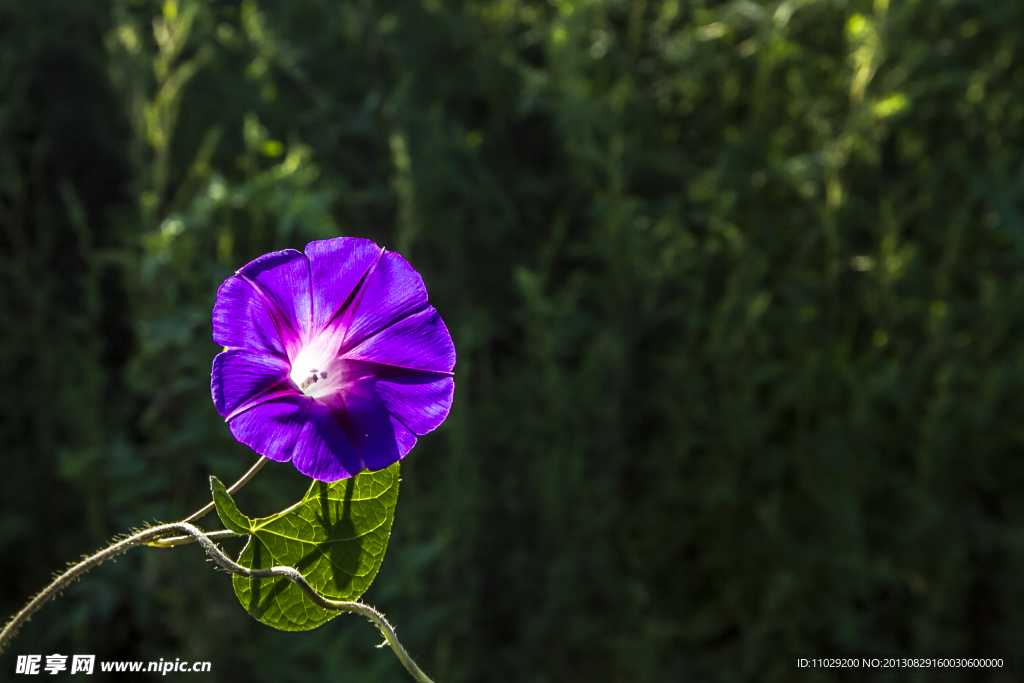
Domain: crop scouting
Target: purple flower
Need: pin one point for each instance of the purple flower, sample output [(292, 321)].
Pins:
[(332, 359)]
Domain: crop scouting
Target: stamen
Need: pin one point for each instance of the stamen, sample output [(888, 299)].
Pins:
[(312, 379), (312, 366)]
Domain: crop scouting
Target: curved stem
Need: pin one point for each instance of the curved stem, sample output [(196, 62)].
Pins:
[(198, 514), (186, 539), (201, 512), (73, 573), (225, 562)]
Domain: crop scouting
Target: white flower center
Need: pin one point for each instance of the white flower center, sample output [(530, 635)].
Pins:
[(316, 370), (314, 377)]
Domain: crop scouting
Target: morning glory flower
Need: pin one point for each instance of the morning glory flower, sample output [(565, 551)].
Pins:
[(333, 359)]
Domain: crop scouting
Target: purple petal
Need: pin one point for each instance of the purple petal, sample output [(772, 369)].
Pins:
[(422, 407), (420, 400), (242, 378), (379, 436), (383, 358), (390, 292), (404, 441), (282, 279), (324, 451), (337, 266), (241, 319), (272, 428), (420, 342)]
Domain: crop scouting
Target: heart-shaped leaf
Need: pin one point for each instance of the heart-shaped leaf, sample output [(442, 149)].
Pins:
[(335, 536)]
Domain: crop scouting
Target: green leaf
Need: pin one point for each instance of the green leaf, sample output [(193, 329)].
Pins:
[(335, 536), (227, 510)]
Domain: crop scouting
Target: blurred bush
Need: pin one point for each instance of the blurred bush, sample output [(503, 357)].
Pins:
[(736, 289)]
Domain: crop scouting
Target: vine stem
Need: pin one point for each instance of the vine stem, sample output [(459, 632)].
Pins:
[(202, 512), (223, 561)]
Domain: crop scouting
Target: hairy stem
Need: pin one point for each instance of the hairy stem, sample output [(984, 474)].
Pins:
[(186, 539), (223, 561), (201, 512)]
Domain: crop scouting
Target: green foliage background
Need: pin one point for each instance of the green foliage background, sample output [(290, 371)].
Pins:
[(736, 288)]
